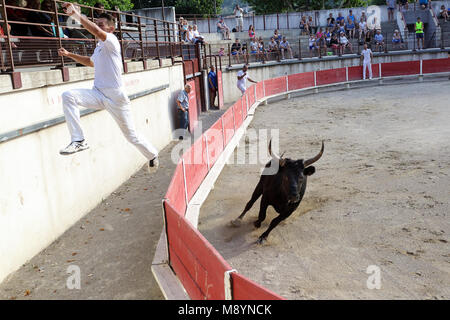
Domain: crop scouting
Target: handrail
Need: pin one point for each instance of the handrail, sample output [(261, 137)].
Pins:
[(134, 32)]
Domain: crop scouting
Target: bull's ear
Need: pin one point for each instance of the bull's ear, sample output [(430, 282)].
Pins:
[(309, 171), (282, 162)]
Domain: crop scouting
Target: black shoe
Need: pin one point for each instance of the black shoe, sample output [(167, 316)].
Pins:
[(153, 165), (180, 138)]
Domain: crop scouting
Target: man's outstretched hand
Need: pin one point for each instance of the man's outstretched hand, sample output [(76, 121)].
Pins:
[(63, 52), (69, 8)]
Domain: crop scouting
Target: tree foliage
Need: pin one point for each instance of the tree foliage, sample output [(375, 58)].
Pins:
[(201, 7), (123, 5)]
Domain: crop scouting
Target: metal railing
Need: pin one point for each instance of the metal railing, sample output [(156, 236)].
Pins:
[(299, 47), (26, 42)]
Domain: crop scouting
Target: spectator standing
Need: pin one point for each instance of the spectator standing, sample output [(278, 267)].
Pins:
[(284, 46), (100, 8), (39, 18), (390, 8), (366, 60), (311, 25), (363, 16), (239, 16), (183, 109), (404, 5), (351, 16), (443, 13), (251, 32), (418, 27), (278, 37), (212, 85), (242, 77), (362, 28), (424, 4)]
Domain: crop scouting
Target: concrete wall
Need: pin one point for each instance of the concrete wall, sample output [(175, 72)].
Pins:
[(269, 70), (42, 193)]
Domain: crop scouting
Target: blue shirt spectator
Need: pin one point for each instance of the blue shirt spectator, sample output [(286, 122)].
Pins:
[(212, 78)]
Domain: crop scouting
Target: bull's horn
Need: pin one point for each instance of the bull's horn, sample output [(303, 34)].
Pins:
[(312, 160), (273, 154)]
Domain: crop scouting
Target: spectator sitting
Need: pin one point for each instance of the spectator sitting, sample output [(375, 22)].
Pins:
[(330, 21), (223, 28), (221, 52), (334, 44), (284, 46), (363, 16), (339, 18), (327, 36), (17, 15), (261, 51), (362, 28), (236, 49), (273, 46), (396, 39), (253, 46), (38, 17), (404, 5), (312, 44), (278, 37), (350, 27), (304, 28), (344, 43), (184, 28), (251, 32), (320, 40), (443, 13), (341, 27), (100, 9), (197, 36), (379, 40)]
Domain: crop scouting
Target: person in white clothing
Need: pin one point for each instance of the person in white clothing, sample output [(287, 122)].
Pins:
[(107, 93), (242, 77), (239, 15), (366, 59)]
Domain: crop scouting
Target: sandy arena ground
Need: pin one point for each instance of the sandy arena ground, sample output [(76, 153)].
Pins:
[(380, 196)]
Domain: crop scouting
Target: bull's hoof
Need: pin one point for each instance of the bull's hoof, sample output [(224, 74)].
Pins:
[(257, 224), (261, 240), (235, 223)]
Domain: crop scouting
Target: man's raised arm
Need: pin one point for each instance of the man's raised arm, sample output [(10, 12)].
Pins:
[(90, 26)]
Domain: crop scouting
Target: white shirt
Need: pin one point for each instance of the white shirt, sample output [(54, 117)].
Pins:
[(108, 63), (196, 34), (284, 44), (366, 54), (243, 82), (238, 13)]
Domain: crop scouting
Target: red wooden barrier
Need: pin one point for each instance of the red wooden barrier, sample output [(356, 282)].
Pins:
[(228, 124), (176, 193), (238, 113), (220, 90), (251, 96), (330, 76), (436, 65), (244, 105), (195, 166), (215, 142), (276, 85), (245, 289), (400, 68), (301, 80), (356, 73), (259, 90), (195, 261), (193, 113)]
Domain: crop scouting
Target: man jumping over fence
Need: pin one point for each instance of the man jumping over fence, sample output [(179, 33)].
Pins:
[(242, 77), (107, 92)]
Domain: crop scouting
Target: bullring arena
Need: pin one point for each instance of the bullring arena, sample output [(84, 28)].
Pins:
[(379, 196)]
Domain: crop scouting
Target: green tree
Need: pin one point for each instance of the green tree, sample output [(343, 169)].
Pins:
[(202, 7), (123, 5)]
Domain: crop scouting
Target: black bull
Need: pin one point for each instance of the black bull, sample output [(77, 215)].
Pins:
[(283, 190)]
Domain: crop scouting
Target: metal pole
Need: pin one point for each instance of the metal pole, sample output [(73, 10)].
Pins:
[(157, 43), (8, 35), (229, 56)]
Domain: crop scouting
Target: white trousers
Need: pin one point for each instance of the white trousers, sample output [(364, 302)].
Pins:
[(367, 64), (242, 88), (116, 102)]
